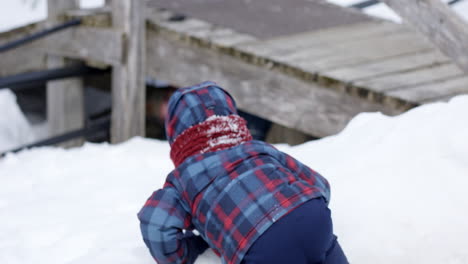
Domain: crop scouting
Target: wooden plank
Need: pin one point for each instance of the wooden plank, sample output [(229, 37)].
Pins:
[(439, 24), (442, 99), (18, 32), (98, 44), (279, 97), (94, 17), (411, 78), (368, 50), (387, 66), (196, 28), (186, 25), (25, 58), (65, 100), (65, 104), (128, 77), (328, 49), (232, 39), (266, 18), (56, 9), (319, 39), (433, 91), (222, 36)]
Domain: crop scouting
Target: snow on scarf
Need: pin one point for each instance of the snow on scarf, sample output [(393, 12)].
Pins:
[(215, 133)]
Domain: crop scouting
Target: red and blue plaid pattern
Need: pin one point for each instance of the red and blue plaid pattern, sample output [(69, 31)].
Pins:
[(193, 105), (230, 196)]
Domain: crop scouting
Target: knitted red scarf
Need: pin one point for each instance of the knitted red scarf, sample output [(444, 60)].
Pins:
[(215, 133)]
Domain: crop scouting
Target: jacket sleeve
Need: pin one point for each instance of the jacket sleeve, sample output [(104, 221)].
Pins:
[(307, 174), (163, 221)]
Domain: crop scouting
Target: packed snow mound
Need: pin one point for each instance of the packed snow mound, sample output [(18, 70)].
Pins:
[(15, 130), (399, 184), (398, 193)]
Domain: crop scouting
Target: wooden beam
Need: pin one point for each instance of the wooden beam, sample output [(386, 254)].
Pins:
[(406, 79), (87, 43), (26, 58), (387, 66), (438, 23), (434, 91), (65, 100), (56, 9), (76, 43), (128, 77)]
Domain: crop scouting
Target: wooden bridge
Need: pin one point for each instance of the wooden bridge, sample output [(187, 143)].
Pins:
[(313, 80)]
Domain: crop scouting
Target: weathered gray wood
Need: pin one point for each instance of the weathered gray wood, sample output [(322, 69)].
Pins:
[(196, 28), (279, 97), (387, 66), (253, 59), (25, 58), (438, 23), (98, 44), (65, 102), (411, 78), (95, 17), (367, 50), (230, 40), (56, 9), (341, 35), (128, 77), (188, 25), (433, 91), (65, 105), (333, 48)]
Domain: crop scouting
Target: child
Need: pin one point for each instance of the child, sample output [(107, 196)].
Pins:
[(250, 202)]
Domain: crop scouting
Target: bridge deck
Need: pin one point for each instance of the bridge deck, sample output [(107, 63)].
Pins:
[(335, 43), (313, 77)]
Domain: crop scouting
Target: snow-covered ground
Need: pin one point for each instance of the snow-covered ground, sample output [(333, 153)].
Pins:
[(14, 128), (398, 185), (398, 193)]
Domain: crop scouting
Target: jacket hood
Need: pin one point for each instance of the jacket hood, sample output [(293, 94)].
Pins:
[(193, 105)]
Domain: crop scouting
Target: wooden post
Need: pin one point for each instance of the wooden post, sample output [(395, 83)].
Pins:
[(439, 23), (65, 102), (128, 78)]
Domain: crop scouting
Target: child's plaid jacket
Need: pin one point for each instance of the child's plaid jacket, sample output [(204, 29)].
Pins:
[(231, 196)]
